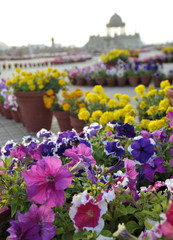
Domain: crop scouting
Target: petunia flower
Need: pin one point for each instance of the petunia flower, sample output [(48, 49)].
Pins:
[(114, 148), (46, 181), (142, 149), (41, 217), (167, 226), (130, 167), (153, 165), (86, 212), (75, 153), (126, 130)]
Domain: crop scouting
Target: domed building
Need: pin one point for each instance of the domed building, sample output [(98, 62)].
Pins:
[(116, 37)]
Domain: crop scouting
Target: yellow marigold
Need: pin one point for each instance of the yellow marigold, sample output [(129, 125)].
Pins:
[(32, 87), (81, 105), (23, 73), (8, 82), (102, 95), (170, 109), (118, 114), (151, 87), (98, 89), (117, 95), (39, 81), (84, 115), (96, 115), (106, 117), (128, 108), (55, 74), (161, 92), (157, 124), (142, 105), (140, 89), (92, 97), (64, 94), (41, 86), (164, 104), (152, 93), (78, 92), (49, 69), (135, 98), (30, 82), (103, 101), (144, 123), (122, 103), (18, 70), (152, 110), (132, 112), (63, 74), (62, 82), (165, 90), (129, 119), (165, 83), (66, 107), (41, 73), (50, 92), (87, 93), (112, 103), (125, 97)]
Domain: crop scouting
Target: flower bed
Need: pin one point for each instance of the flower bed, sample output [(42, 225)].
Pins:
[(90, 185)]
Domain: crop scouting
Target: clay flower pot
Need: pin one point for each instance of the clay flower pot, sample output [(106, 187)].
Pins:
[(111, 81), (122, 81), (77, 124), (145, 80), (133, 80), (7, 113), (156, 81), (80, 81), (15, 115), (63, 119), (34, 114), (170, 94), (101, 81)]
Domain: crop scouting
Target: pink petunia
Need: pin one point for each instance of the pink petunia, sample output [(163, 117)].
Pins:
[(74, 153), (86, 212), (167, 226), (130, 167), (46, 181)]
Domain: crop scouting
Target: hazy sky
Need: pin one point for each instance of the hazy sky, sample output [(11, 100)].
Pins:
[(71, 22)]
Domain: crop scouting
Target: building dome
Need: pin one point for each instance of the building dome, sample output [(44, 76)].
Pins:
[(115, 21)]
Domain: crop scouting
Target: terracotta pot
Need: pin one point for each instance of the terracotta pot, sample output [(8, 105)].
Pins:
[(133, 80), (111, 81), (33, 111), (91, 82), (7, 113), (145, 80), (101, 81), (170, 94), (121, 81), (156, 81), (1, 108), (72, 80), (80, 81), (63, 119), (15, 115), (77, 124)]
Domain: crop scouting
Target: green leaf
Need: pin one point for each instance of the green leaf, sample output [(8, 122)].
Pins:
[(59, 230), (106, 233), (131, 210), (148, 225), (132, 226)]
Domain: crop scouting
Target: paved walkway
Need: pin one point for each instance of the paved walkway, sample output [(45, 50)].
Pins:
[(9, 129)]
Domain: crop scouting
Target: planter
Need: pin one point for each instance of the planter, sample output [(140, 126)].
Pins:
[(121, 81), (101, 81), (133, 80), (91, 82), (72, 80), (63, 119), (15, 115), (1, 108), (145, 80), (7, 113), (170, 94), (111, 81), (77, 124), (156, 81), (34, 114), (80, 81)]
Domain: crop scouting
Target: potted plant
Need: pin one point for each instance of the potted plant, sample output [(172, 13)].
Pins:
[(111, 76), (52, 102), (133, 74), (29, 88)]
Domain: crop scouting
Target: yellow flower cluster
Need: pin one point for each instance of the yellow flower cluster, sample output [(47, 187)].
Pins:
[(167, 49), (49, 98), (38, 81), (114, 55)]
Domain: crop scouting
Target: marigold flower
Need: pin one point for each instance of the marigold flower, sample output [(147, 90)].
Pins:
[(62, 82)]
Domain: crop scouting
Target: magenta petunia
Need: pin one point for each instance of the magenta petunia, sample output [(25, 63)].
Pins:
[(86, 212), (46, 181), (74, 153), (130, 167), (167, 226)]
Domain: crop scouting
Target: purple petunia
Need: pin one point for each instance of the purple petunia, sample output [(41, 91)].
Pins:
[(142, 149), (92, 129), (44, 133), (126, 130), (114, 148), (153, 165)]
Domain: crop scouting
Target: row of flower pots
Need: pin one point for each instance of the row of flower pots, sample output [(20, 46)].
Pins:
[(114, 81)]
